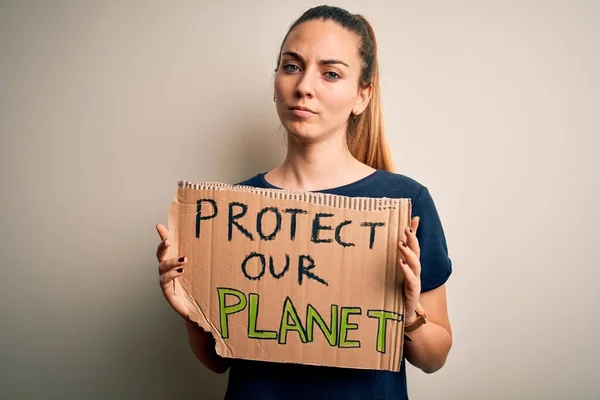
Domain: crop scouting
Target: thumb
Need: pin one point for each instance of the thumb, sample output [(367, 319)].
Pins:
[(162, 230)]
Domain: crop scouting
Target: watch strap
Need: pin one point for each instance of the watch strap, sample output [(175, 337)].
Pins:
[(420, 321)]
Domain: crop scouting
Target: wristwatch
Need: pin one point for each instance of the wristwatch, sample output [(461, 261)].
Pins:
[(421, 320)]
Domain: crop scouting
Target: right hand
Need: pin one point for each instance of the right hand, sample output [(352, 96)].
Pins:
[(168, 270)]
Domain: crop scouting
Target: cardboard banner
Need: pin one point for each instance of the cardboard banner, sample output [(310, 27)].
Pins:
[(295, 277)]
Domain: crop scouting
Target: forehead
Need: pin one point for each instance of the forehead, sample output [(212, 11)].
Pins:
[(320, 40)]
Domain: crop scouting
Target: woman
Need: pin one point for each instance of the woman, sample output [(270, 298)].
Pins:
[(327, 98)]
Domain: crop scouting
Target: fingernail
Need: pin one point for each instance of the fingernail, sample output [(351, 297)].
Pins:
[(180, 270), (181, 259)]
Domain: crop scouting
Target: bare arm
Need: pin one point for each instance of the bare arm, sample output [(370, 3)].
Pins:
[(203, 346), (201, 342), (431, 342)]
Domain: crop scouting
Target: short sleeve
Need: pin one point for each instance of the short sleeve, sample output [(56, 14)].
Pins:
[(436, 265)]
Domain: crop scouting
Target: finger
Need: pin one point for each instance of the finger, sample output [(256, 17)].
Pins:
[(162, 230), (161, 251), (409, 276), (414, 223), (168, 265), (411, 237), (411, 258), (167, 277)]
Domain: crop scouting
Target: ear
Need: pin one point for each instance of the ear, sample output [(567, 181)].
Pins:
[(362, 99)]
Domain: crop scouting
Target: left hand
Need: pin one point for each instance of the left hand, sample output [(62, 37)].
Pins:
[(411, 270)]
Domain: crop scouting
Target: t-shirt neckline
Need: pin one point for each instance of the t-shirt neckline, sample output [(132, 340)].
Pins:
[(342, 188)]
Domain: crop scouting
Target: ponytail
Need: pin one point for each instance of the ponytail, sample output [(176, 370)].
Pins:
[(366, 137)]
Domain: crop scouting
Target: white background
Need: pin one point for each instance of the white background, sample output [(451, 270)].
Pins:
[(493, 105)]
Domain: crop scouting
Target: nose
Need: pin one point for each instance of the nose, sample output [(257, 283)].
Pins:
[(306, 85)]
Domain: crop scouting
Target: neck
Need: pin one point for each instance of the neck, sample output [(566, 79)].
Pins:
[(319, 165)]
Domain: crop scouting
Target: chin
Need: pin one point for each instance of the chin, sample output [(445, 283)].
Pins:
[(304, 132)]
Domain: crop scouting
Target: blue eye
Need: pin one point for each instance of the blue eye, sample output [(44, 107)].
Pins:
[(287, 68), (332, 75)]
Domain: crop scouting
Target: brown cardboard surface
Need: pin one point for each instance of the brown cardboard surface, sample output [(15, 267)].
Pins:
[(341, 255)]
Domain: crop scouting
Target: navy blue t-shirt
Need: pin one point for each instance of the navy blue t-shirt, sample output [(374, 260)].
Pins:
[(258, 380)]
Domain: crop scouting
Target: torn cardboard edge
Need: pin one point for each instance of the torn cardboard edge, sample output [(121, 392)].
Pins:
[(311, 199), (316, 198)]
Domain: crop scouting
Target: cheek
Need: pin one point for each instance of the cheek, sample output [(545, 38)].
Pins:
[(282, 98), (280, 86), (340, 99)]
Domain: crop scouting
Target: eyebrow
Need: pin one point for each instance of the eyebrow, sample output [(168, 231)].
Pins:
[(323, 62)]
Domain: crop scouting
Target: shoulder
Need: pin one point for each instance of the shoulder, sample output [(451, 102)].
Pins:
[(396, 185), (436, 265), (254, 181), (400, 181)]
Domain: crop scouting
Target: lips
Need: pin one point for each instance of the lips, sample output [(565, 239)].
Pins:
[(299, 108)]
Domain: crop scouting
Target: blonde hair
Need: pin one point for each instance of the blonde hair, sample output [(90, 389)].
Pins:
[(366, 136)]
